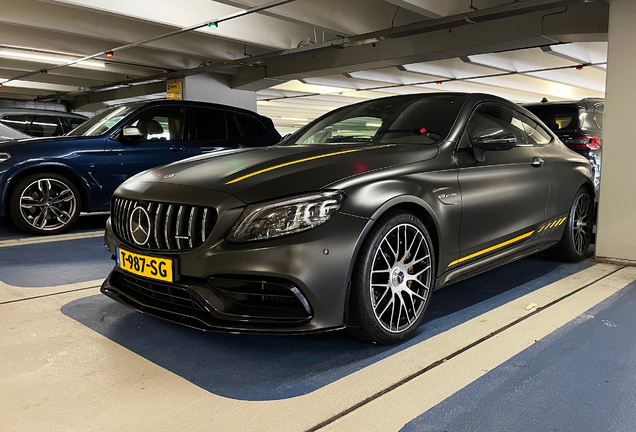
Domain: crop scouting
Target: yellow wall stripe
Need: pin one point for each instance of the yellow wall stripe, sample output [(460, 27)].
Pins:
[(289, 163), (500, 245)]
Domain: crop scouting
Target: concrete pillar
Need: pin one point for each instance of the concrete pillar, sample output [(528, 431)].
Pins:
[(616, 233), (215, 88)]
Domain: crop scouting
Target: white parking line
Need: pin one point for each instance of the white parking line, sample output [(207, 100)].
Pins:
[(48, 239)]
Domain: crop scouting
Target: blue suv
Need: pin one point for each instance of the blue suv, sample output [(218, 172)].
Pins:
[(46, 183)]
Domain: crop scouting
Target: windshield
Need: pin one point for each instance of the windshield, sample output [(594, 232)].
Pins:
[(398, 120), (102, 122), (559, 118)]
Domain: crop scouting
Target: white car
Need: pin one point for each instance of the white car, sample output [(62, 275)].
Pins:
[(28, 123)]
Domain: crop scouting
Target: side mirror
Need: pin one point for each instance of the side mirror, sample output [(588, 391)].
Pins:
[(493, 139), (132, 132)]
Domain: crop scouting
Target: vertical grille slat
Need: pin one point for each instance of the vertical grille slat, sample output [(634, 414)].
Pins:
[(157, 225), (178, 224), (167, 226), (191, 222), (173, 226)]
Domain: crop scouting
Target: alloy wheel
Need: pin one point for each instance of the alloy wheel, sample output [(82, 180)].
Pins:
[(581, 228), (401, 278), (48, 204)]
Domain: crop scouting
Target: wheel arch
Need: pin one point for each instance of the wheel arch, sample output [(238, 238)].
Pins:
[(56, 168), (408, 203)]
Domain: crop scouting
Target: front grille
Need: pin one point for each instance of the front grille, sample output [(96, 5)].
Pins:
[(160, 294), (172, 226)]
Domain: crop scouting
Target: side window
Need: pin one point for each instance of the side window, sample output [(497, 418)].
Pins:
[(17, 122), (209, 124), (250, 126), (599, 113), (160, 124), (233, 132), (46, 126), (536, 134), (496, 117)]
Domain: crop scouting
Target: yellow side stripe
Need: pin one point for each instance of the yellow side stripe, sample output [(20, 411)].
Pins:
[(290, 163), (541, 229), (500, 245), (561, 221)]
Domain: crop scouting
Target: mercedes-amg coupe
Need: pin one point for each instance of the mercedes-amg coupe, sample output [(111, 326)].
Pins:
[(352, 222)]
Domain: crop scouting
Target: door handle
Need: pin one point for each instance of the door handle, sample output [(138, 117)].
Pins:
[(176, 148), (537, 162)]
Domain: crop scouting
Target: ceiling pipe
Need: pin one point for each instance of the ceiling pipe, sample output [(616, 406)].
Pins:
[(110, 52), (471, 18)]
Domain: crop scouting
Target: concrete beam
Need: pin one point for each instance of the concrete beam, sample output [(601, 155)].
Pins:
[(517, 32), (121, 93)]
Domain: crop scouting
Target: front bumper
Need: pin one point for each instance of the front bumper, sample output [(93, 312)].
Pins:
[(304, 279)]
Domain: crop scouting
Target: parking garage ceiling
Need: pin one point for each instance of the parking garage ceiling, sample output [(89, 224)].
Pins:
[(564, 59)]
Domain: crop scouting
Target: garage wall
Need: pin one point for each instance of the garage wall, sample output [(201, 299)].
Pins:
[(616, 237), (216, 89)]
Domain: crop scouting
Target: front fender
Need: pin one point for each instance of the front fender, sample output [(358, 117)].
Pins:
[(420, 194), (18, 170)]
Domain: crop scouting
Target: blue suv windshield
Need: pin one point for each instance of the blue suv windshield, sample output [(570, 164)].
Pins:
[(102, 122)]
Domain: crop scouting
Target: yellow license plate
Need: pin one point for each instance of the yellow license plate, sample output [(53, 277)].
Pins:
[(142, 265)]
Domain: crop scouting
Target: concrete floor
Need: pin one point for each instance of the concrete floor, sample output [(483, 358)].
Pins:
[(73, 360)]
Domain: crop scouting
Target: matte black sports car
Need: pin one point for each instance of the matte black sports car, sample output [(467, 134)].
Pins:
[(352, 222)]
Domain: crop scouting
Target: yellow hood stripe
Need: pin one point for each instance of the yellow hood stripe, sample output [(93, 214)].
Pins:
[(500, 245), (290, 163)]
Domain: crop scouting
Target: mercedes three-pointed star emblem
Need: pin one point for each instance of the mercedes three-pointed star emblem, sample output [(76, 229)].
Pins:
[(140, 225)]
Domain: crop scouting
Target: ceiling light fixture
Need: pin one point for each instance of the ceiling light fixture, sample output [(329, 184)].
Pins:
[(49, 58), (294, 118), (213, 25)]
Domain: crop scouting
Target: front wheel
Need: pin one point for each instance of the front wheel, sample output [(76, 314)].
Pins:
[(392, 281), (45, 203), (578, 231)]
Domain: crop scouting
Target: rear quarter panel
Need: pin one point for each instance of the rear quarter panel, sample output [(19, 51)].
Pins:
[(568, 172)]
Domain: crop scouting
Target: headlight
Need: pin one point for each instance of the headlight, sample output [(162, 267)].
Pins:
[(4, 157), (280, 218)]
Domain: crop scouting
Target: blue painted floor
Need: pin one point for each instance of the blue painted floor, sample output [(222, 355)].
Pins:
[(580, 378), (55, 263), (89, 222)]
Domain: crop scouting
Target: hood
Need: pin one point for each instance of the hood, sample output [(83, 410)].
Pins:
[(265, 173), (20, 142)]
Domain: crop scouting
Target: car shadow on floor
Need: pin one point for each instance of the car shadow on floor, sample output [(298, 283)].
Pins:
[(249, 367)]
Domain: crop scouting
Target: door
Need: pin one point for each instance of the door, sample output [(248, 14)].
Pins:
[(504, 197), (162, 141)]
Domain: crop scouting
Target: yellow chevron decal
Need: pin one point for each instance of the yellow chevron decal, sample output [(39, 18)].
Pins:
[(290, 163), (500, 245)]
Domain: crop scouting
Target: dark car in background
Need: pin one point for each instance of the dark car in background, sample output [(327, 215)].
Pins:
[(579, 124), (17, 123), (46, 183), (353, 221)]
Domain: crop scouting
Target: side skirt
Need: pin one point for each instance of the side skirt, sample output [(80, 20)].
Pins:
[(490, 262)]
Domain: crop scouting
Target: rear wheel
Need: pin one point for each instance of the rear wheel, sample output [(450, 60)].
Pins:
[(578, 231), (45, 203), (392, 281)]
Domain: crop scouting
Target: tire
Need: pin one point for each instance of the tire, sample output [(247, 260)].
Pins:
[(577, 236), (391, 290), (45, 203)]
